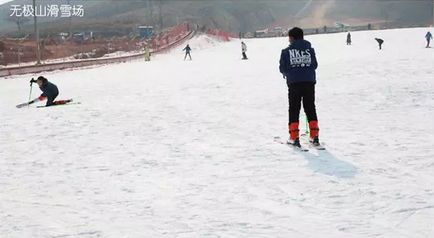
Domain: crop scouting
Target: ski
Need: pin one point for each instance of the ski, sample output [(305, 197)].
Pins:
[(66, 104), (317, 147), (279, 140), (24, 104)]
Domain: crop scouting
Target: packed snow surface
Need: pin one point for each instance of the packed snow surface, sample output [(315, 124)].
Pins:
[(173, 148)]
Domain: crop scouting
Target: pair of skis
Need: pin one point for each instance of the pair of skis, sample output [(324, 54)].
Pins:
[(301, 148), (67, 102)]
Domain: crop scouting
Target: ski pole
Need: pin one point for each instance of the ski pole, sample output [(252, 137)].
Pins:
[(30, 94), (307, 127)]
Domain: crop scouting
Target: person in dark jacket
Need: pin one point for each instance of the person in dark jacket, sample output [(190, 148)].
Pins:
[(428, 38), (187, 50), (49, 92), (348, 39), (380, 42), (243, 50), (298, 64)]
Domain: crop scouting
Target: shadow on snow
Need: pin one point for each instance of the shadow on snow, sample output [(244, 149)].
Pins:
[(326, 163)]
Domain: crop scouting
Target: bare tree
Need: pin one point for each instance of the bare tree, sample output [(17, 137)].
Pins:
[(19, 21), (70, 22)]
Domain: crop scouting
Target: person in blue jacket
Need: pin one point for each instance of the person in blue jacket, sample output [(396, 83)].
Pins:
[(298, 64), (428, 38)]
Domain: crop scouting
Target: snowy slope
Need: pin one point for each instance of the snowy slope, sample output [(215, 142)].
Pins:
[(174, 148)]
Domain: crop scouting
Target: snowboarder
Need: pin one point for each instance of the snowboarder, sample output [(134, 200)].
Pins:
[(428, 38), (348, 39), (298, 64), (187, 50), (147, 54), (380, 42), (49, 92), (244, 50)]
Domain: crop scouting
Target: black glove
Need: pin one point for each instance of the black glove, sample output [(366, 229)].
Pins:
[(32, 81)]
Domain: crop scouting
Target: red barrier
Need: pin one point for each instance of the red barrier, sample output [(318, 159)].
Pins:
[(8, 71), (165, 39), (226, 36), (160, 43)]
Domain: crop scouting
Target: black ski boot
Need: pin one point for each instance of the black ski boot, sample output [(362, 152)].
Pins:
[(295, 142), (315, 141)]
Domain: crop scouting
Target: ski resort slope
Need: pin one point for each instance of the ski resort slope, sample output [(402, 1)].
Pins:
[(173, 148)]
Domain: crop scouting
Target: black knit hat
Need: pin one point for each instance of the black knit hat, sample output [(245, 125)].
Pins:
[(296, 33), (42, 79)]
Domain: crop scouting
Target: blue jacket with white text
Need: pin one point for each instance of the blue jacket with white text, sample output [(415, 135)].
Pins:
[(298, 62)]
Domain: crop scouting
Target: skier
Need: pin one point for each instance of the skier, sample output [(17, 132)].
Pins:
[(298, 64), (49, 92), (348, 38), (147, 53), (428, 38), (244, 50), (187, 50), (380, 42)]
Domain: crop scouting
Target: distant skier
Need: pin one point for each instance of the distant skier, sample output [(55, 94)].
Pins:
[(428, 38), (244, 50), (49, 92), (349, 38), (147, 54), (298, 64), (380, 42), (187, 50)]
